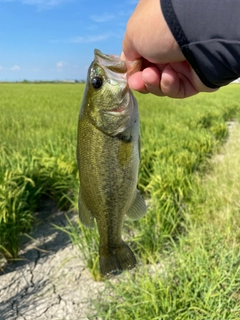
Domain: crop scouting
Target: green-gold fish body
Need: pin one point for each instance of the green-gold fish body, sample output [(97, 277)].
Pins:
[(108, 159)]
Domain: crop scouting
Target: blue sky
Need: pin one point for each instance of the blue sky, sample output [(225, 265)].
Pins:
[(55, 39)]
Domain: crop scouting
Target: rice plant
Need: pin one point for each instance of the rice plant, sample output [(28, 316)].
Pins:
[(187, 246)]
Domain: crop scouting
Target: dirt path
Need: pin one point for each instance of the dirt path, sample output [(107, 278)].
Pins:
[(51, 281)]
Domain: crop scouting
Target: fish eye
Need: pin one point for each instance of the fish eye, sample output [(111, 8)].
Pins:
[(97, 82)]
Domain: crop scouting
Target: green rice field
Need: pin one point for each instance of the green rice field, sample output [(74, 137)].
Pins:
[(188, 244)]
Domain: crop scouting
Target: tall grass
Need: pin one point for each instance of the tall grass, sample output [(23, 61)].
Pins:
[(199, 281), (195, 269), (200, 277), (37, 154), (178, 138)]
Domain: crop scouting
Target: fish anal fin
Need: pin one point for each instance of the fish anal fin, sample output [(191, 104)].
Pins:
[(138, 207), (113, 263), (85, 215)]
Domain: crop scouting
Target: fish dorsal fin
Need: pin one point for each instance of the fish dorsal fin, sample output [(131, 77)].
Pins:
[(85, 215), (138, 207)]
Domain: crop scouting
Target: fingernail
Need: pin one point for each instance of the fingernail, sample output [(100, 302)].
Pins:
[(122, 56)]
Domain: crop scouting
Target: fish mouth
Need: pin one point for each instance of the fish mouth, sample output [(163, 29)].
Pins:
[(115, 67), (111, 62), (117, 111)]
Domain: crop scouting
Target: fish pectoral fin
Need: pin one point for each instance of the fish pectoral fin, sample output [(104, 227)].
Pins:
[(85, 215), (138, 207)]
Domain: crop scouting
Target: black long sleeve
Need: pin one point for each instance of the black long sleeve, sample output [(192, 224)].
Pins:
[(208, 33)]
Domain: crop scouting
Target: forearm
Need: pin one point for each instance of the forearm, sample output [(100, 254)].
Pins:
[(208, 33)]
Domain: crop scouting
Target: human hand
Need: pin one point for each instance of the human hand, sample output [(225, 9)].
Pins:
[(165, 71)]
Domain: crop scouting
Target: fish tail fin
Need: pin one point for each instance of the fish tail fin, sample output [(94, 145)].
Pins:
[(113, 263)]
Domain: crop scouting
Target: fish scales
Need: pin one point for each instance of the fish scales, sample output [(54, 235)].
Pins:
[(108, 159)]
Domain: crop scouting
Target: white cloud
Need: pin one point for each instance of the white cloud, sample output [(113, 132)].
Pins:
[(89, 38), (15, 68), (60, 64), (103, 17), (96, 38), (41, 4), (44, 3)]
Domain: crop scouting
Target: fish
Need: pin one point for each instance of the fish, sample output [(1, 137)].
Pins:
[(108, 155)]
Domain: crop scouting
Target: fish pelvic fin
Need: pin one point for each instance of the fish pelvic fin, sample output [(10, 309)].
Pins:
[(85, 215), (113, 263), (138, 207)]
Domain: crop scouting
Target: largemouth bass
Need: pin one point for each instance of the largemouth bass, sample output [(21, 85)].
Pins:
[(108, 159)]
